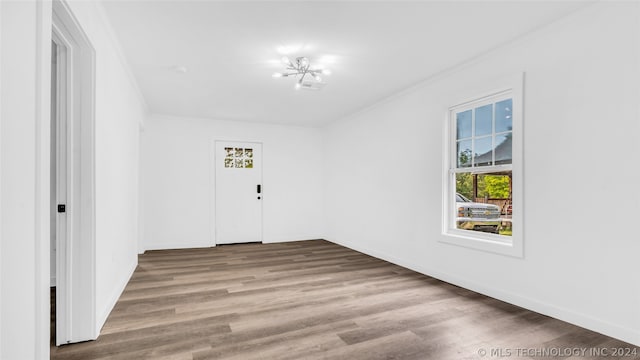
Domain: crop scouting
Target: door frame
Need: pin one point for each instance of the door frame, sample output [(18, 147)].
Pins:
[(64, 224), (76, 290), (37, 349), (212, 187)]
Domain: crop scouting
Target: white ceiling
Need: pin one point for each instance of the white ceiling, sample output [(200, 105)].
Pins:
[(374, 49)]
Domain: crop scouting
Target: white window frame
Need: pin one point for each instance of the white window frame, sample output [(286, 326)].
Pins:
[(500, 244)]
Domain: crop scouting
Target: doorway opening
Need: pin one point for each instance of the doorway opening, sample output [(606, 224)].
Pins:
[(72, 184), (53, 189)]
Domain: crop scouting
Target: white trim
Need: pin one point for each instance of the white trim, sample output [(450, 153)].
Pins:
[(40, 300), (587, 321), (201, 245), (513, 246), (64, 184), (80, 288), (140, 240), (177, 245), (42, 180), (293, 238), (212, 192), (111, 303)]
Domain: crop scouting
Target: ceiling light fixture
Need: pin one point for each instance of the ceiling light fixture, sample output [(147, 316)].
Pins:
[(300, 68)]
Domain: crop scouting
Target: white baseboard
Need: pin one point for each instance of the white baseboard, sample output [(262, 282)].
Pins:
[(104, 314), (177, 245), (303, 238), (629, 335), (183, 245)]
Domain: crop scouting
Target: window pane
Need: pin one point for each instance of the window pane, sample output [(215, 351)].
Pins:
[(503, 116), (464, 153), (477, 213), (463, 125), (493, 186), (483, 149), (503, 149), (484, 117), (464, 185)]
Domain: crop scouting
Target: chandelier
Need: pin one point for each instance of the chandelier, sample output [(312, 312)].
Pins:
[(300, 68)]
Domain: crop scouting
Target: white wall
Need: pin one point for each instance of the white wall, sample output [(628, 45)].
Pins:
[(581, 190), (18, 106), (119, 111), (177, 187), (24, 171)]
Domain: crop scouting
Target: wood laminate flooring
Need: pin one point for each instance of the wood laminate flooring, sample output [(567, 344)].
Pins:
[(316, 300)]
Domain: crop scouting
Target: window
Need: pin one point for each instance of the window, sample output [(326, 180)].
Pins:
[(238, 158), (483, 183), (482, 166)]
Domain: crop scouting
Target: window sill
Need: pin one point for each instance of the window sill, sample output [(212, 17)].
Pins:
[(497, 244)]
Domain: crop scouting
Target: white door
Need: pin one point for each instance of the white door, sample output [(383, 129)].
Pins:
[(59, 187), (238, 192)]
